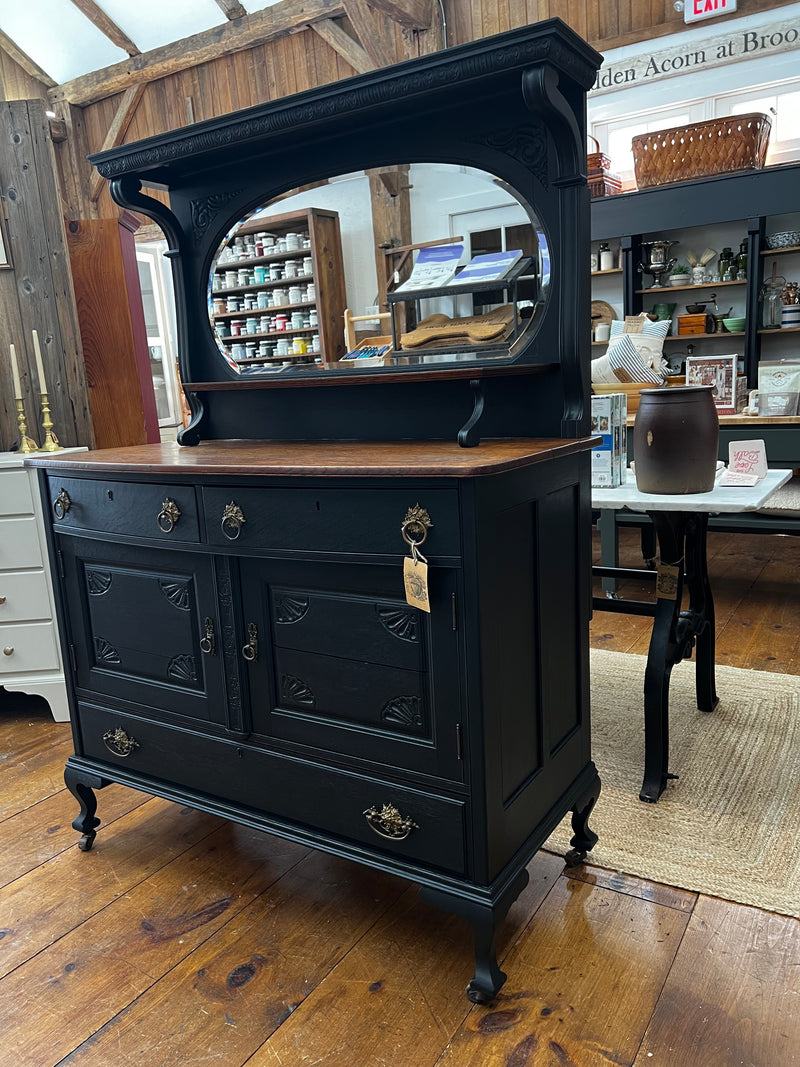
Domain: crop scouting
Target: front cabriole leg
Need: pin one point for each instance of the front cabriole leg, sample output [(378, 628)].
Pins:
[(82, 786), (485, 920)]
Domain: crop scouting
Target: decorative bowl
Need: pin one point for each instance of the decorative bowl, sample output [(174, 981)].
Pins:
[(695, 309), (786, 239), (734, 325)]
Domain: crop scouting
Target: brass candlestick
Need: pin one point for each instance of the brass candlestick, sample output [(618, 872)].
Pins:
[(50, 440), (26, 444)]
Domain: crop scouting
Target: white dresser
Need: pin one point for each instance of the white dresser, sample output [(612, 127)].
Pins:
[(30, 657)]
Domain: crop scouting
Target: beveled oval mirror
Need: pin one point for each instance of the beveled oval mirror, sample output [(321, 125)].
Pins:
[(363, 271)]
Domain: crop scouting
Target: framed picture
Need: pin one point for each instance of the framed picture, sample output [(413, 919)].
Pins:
[(720, 373)]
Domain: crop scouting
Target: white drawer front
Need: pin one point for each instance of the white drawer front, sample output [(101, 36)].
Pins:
[(28, 647), (19, 544), (23, 595), (15, 493)]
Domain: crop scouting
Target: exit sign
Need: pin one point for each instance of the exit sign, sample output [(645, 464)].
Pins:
[(695, 10)]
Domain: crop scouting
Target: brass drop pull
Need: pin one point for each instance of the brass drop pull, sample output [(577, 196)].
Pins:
[(207, 643), (2, 600), (415, 525), (8, 650), (168, 516), (250, 650), (232, 520), (120, 743), (389, 823), (61, 504)]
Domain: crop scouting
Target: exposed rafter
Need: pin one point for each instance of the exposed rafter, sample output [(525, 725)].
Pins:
[(351, 51), (231, 9), (370, 27), (413, 14), (117, 130), (25, 61), (107, 26), (245, 32)]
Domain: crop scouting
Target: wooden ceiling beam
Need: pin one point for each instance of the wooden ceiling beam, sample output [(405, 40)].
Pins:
[(23, 60), (107, 26), (371, 30), (413, 14), (116, 131), (350, 51), (246, 32), (231, 9)]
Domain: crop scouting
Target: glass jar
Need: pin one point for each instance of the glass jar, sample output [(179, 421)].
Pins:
[(771, 301), (724, 263)]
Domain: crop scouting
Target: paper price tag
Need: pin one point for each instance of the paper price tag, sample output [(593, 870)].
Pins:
[(415, 579)]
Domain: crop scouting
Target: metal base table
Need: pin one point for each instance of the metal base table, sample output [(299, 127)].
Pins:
[(681, 527)]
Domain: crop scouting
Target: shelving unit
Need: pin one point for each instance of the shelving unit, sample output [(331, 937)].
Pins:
[(752, 199), (323, 307)]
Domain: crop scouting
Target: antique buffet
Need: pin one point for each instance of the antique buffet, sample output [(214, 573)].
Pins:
[(233, 606)]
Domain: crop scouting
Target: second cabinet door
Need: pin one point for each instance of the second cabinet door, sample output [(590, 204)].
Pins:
[(340, 662)]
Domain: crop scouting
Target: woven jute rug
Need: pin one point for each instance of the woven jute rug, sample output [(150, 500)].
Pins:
[(729, 826)]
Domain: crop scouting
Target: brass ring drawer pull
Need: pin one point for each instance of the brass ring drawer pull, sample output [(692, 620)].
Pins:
[(250, 650), (232, 520), (61, 504), (120, 743), (389, 823), (8, 650), (168, 516), (207, 642), (415, 525)]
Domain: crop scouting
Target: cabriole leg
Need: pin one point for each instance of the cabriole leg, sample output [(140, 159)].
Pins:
[(584, 839), (82, 787), (485, 920)]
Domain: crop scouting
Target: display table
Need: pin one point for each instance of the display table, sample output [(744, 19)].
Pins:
[(681, 527)]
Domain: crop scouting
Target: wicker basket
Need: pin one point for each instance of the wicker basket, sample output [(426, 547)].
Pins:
[(596, 162), (716, 146)]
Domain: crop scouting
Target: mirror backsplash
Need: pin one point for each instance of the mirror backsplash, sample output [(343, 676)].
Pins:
[(364, 271)]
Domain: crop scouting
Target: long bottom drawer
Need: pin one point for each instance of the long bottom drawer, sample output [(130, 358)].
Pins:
[(317, 798)]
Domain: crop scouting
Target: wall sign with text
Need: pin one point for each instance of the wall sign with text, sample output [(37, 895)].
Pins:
[(697, 55)]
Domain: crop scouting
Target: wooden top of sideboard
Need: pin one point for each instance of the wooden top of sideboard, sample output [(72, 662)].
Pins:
[(319, 459)]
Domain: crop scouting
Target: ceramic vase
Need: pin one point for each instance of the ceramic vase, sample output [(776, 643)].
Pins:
[(675, 440)]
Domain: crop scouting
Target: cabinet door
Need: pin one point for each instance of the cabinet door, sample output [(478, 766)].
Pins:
[(346, 665), (144, 627)]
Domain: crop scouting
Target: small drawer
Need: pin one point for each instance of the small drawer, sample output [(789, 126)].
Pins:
[(28, 647), (330, 520), (23, 596), (15, 493), (294, 792), (160, 512), (19, 544)]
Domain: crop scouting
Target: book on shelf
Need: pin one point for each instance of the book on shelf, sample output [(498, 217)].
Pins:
[(729, 388), (435, 266), (487, 267)]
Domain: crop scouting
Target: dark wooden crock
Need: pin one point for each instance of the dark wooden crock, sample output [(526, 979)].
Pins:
[(675, 440)]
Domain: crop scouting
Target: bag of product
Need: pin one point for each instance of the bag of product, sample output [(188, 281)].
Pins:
[(779, 387)]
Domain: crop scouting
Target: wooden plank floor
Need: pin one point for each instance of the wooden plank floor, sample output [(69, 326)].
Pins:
[(181, 939)]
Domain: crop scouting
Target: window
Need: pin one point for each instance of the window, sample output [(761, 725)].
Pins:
[(780, 100)]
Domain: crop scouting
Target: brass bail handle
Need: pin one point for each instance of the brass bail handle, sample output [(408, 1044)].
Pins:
[(232, 520), (415, 526), (61, 504), (168, 516), (389, 822)]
